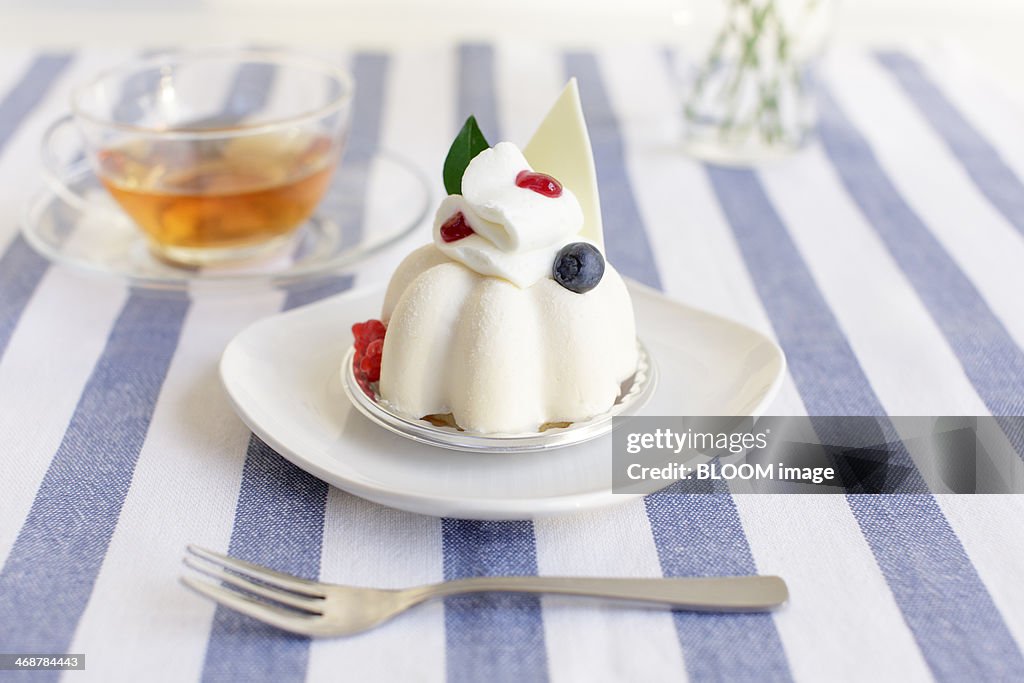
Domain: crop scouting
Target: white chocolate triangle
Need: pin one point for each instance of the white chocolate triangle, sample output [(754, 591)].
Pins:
[(561, 148)]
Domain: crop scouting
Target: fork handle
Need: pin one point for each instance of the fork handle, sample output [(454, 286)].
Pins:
[(702, 594)]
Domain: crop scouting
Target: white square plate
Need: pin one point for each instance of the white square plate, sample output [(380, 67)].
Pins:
[(283, 377)]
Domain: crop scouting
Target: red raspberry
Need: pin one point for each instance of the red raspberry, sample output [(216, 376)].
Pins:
[(365, 333), (370, 366), (369, 344), (374, 329), (359, 333), (455, 228)]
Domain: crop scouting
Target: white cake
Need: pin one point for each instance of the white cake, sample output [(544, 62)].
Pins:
[(498, 357), (511, 320)]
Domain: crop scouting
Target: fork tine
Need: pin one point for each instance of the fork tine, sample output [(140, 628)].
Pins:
[(263, 574), (286, 619), (314, 605)]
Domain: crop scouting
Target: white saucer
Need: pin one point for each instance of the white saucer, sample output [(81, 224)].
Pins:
[(282, 375)]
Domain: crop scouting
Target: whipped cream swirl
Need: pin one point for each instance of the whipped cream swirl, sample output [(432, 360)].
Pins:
[(516, 231)]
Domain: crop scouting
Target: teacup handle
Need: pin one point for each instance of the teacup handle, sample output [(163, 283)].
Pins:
[(52, 165), (52, 171)]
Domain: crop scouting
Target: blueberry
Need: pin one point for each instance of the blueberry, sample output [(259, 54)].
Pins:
[(578, 267)]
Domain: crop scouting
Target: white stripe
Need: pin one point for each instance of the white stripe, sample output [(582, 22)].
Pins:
[(988, 249), (598, 642), (585, 641), (840, 605), (896, 341), (419, 111), (184, 490), (365, 543), (529, 79), (13, 67), (976, 94), (784, 532), (989, 529)]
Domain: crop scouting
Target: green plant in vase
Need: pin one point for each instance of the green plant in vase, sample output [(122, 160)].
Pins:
[(751, 94)]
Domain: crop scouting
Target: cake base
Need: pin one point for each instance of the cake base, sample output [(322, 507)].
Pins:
[(441, 430)]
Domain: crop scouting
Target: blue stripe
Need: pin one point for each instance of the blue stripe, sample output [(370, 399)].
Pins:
[(699, 533), (21, 271), (21, 268), (695, 532), (301, 294), (49, 574), (476, 90), (345, 202), (979, 158), (489, 637), (805, 325), (249, 92), (28, 92), (492, 637), (279, 522), (961, 637), (280, 513), (131, 103)]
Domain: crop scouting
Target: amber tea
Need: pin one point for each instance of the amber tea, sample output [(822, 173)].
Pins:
[(223, 194)]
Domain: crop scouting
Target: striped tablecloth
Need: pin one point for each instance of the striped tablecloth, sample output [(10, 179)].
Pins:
[(888, 261)]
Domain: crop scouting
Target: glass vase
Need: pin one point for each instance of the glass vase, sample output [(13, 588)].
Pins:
[(748, 76)]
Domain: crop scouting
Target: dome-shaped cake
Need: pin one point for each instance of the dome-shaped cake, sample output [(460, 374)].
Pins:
[(498, 357), (511, 320)]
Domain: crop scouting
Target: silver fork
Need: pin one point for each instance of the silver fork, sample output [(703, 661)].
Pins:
[(322, 609)]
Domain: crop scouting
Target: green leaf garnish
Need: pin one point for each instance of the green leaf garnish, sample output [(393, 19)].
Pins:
[(467, 144)]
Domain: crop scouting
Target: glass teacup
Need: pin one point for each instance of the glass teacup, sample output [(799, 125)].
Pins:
[(217, 156)]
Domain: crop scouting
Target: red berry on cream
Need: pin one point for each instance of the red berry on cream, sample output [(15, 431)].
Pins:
[(541, 183)]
